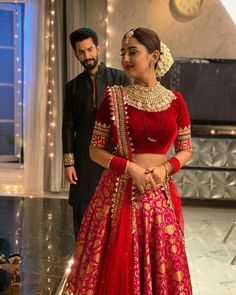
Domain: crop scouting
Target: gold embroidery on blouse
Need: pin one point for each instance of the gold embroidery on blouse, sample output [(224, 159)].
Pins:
[(69, 159), (101, 134), (153, 99), (183, 140)]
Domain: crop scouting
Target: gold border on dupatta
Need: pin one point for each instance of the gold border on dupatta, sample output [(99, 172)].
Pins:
[(119, 115)]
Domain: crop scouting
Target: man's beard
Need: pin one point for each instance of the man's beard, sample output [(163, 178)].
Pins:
[(90, 66)]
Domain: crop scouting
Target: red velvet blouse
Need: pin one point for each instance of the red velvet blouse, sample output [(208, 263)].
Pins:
[(165, 127)]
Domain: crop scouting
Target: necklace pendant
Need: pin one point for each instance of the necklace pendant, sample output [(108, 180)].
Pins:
[(152, 139)]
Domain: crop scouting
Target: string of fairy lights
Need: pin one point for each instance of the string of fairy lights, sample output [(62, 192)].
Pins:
[(108, 32), (18, 85), (51, 112), (51, 81)]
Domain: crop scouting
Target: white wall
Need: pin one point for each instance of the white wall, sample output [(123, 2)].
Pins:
[(211, 35)]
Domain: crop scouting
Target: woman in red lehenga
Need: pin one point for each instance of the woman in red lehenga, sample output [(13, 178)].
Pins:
[(131, 239)]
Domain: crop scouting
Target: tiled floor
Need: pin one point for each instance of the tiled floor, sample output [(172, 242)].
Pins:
[(41, 230), (209, 257)]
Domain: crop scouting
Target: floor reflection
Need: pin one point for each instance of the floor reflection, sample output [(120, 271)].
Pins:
[(41, 230)]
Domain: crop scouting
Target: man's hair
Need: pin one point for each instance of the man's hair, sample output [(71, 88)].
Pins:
[(82, 34)]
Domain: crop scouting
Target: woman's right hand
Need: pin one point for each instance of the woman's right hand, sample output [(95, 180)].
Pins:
[(141, 177)]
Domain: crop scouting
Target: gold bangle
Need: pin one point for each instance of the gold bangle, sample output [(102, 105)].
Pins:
[(167, 167), (109, 162), (126, 166), (171, 167), (166, 171)]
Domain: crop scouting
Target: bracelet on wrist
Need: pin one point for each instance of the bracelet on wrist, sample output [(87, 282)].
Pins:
[(126, 167), (175, 165), (118, 165), (166, 169)]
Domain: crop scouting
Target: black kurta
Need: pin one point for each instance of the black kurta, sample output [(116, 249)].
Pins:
[(78, 122)]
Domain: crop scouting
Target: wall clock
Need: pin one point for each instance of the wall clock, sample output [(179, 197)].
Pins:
[(186, 9)]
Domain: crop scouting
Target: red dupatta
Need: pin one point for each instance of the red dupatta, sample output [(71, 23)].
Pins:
[(117, 271)]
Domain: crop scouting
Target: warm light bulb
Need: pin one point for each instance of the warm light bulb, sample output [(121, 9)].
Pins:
[(109, 8)]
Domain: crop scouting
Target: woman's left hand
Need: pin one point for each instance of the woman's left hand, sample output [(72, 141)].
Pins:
[(158, 174)]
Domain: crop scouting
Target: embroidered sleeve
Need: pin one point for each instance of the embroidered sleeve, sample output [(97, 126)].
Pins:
[(183, 139), (68, 159), (102, 129)]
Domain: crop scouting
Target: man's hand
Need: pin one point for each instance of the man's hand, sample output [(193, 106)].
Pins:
[(70, 175), (13, 269)]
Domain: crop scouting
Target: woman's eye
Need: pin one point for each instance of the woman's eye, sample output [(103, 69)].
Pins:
[(132, 52)]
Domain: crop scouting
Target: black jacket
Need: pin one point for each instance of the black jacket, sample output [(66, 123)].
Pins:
[(78, 123)]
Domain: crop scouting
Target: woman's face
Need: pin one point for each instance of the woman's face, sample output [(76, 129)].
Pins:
[(135, 59)]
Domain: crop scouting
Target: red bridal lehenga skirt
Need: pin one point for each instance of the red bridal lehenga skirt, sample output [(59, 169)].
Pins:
[(129, 244)]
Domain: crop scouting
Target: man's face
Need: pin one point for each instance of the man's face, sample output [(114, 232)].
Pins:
[(87, 53)]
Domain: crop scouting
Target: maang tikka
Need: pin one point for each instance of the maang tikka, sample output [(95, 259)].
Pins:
[(129, 35)]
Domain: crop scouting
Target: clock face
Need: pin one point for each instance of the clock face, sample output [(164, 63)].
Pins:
[(186, 8)]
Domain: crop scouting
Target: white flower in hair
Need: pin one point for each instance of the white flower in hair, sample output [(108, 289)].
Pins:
[(165, 61)]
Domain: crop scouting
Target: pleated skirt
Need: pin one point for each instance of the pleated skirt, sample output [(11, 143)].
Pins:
[(129, 244)]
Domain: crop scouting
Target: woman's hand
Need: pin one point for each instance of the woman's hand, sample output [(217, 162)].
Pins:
[(141, 177), (158, 174)]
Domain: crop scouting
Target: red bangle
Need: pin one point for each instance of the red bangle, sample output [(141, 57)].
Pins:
[(175, 164), (118, 165)]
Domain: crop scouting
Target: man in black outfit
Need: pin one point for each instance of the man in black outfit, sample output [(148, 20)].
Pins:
[(83, 96), (9, 269)]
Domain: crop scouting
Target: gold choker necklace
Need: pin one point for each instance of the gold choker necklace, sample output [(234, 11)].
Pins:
[(152, 99)]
